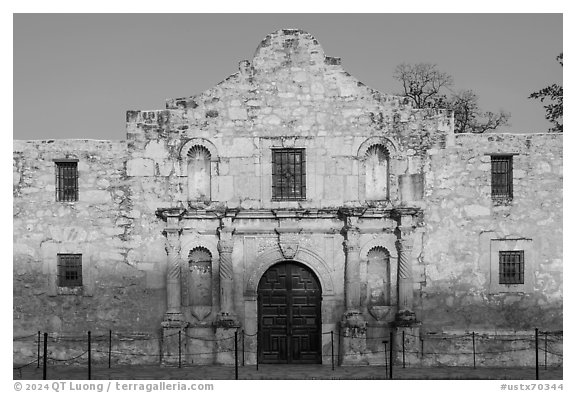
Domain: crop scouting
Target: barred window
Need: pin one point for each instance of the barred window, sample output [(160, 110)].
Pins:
[(502, 177), (66, 181), (511, 267), (288, 174), (69, 270)]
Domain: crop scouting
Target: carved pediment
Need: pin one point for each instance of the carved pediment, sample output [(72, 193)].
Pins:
[(288, 243)]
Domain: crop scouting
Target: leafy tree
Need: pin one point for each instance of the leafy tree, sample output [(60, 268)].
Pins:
[(428, 87), (553, 93)]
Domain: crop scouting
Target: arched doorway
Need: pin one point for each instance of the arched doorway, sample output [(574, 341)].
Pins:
[(289, 315)]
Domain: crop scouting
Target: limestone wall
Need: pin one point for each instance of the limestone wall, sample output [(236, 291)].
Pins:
[(117, 293), (464, 229)]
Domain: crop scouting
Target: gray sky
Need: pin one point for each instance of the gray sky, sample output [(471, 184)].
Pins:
[(76, 75)]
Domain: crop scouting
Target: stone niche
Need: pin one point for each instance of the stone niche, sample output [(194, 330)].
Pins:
[(199, 282)]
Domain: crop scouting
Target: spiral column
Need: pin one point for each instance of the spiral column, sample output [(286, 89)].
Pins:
[(174, 310), (352, 270), (353, 324), (225, 247), (404, 245), (174, 323), (227, 321)]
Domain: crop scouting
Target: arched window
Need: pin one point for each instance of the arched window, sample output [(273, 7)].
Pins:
[(199, 175), (378, 276), (377, 173)]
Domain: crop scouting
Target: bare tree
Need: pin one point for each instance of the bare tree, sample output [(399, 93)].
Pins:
[(423, 83), (429, 87)]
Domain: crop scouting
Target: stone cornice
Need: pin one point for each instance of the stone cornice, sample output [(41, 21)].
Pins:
[(172, 212), (398, 214)]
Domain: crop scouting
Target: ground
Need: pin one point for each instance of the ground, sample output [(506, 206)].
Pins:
[(284, 372)]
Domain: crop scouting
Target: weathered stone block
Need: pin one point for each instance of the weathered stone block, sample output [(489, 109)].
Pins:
[(95, 196), (236, 113), (476, 210), (140, 167)]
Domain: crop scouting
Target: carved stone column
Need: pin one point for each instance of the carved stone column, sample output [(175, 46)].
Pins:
[(173, 322), (404, 244), (352, 270), (227, 321), (225, 247), (353, 324), (173, 289)]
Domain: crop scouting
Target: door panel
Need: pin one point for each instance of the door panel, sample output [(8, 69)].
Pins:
[(289, 317)]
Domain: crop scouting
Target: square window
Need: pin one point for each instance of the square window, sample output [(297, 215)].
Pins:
[(288, 174), (69, 270), (66, 181), (502, 177), (511, 267)]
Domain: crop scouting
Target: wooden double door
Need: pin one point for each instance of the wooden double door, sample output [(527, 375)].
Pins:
[(289, 315)]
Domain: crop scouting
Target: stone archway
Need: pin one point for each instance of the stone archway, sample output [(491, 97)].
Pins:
[(289, 315)]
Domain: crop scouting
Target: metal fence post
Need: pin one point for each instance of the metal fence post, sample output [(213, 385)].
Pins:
[(536, 337), (332, 347), (45, 355), (545, 350), (38, 366), (89, 355), (403, 351), (385, 357), (110, 348), (422, 347), (236, 354), (391, 351), (474, 348), (243, 342), (179, 348)]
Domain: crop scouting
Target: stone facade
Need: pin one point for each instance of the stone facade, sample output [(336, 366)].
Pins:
[(177, 224)]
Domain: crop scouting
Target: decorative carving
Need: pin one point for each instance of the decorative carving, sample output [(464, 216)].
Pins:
[(225, 248), (289, 244), (173, 284), (404, 246), (380, 313), (226, 264), (172, 250), (352, 242), (265, 244), (200, 312)]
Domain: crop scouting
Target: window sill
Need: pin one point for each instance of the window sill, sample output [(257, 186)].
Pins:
[(502, 201), (74, 291)]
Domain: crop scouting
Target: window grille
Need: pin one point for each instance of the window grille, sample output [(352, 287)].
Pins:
[(511, 269), (288, 174), (70, 270), (66, 181), (502, 177)]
